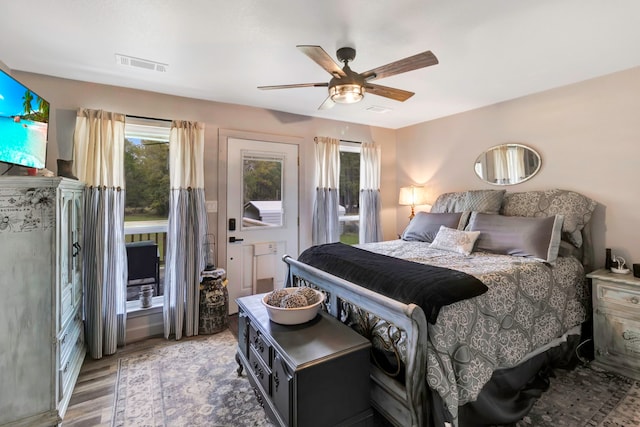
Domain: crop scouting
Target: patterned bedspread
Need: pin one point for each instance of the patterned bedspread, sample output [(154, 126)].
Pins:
[(528, 304)]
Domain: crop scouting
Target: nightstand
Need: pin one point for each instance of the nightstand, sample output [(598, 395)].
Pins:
[(616, 322), (312, 374)]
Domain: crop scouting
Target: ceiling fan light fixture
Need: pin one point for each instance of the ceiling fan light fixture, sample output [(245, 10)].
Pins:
[(346, 94)]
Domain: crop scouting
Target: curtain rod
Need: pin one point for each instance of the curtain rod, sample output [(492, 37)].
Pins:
[(315, 138), (148, 118)]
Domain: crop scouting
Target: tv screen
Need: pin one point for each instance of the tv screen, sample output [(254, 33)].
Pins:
[(24, 120)]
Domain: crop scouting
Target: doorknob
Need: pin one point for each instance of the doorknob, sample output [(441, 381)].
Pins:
[(233, 240)]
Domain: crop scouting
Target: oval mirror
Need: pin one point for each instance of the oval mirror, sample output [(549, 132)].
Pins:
[(507, 164)]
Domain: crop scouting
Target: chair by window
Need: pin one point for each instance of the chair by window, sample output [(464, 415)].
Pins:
[(144, 264)]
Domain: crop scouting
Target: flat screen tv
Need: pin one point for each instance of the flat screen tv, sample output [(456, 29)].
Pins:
[(24, 122)]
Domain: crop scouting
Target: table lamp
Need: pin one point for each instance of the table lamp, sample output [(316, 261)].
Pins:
[(412, 196)]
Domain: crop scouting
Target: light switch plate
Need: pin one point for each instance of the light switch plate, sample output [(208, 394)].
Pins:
[(212, 206)]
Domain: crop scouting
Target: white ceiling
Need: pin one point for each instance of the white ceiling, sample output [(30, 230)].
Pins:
[(489, 50)]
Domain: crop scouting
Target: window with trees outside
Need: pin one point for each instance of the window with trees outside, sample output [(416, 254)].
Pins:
[(349, 193), (146, 168), (262, 190)]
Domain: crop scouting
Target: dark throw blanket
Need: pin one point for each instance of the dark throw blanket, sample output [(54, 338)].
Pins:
[(427, 286)]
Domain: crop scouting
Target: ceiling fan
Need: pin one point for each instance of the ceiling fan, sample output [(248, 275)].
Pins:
[(347, 86)]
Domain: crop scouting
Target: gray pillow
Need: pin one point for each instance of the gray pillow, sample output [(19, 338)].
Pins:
[(487, 201), (574, 207), (425, 225), (529, 237), (450, 202)]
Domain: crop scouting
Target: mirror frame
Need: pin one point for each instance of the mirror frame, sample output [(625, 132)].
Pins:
[(509, 144)]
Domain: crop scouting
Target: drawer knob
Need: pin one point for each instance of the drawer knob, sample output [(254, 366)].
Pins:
[(258, 370), (634, 300), (276, 381), (258, 343), (258, 397)]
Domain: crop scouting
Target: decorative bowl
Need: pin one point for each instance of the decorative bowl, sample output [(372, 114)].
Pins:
[(293, 316)]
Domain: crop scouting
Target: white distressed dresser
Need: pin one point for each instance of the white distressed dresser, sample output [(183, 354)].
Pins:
[(42, 337), (616, 322)]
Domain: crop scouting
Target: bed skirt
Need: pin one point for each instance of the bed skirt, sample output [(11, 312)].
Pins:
[(511, 392)]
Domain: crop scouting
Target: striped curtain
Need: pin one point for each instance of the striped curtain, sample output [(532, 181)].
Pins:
[(370, 225), (326, 226), (99, 163), (185, 256)]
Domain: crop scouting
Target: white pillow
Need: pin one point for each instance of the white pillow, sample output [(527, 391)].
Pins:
[(450, 239)]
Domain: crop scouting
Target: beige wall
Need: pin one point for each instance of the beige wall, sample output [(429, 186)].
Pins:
[(588, 135), (65, 96)]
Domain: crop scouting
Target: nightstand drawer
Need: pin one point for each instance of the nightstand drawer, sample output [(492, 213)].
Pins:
[(610, 293), (617, 342)]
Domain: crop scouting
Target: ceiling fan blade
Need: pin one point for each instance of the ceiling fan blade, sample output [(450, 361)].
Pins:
[(388, 92), (293, 86), (327, 104), (414, 62), (323, 59)]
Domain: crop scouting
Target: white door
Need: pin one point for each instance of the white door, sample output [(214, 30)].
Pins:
[(262, 215)]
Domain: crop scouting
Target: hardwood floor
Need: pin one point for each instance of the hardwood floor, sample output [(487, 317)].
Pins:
[(93, 396), (92, 399)]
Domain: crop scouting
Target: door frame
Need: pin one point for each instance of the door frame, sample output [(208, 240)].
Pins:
[(223, 140)]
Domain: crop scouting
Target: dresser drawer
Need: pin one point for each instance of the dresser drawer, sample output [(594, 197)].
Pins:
[(77, 293), (260, 370), (617, 342), (70, 334), (259, 344), (243, 333), (282, 388), (610, 293), (70, 366), (66, 305)]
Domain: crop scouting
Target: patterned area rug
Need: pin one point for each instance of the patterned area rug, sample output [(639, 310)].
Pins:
[(194, 383), (190, 383), (587, 397)]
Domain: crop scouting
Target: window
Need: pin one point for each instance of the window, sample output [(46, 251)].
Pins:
[(262, 183), (349, 193), (146, 168)]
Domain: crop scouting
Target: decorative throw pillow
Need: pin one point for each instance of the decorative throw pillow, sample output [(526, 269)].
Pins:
[(537, 238), (452, 240), (487, 201), (449, 202), (425, 225)]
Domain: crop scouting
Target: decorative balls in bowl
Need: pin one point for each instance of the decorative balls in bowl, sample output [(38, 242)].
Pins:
[(292, 306)]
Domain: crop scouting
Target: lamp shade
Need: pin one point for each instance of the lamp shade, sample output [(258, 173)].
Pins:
[(412, 196)]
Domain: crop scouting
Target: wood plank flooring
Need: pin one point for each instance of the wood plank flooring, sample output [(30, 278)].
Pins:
[(93, 396)]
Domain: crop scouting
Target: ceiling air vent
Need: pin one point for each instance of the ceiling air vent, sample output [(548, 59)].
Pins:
[(133, 62), (377, 109)]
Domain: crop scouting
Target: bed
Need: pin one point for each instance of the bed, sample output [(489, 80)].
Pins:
[(449, 363)]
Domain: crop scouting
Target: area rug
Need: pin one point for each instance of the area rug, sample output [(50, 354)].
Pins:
[(585, 397), (190, 383), (194, 383)]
